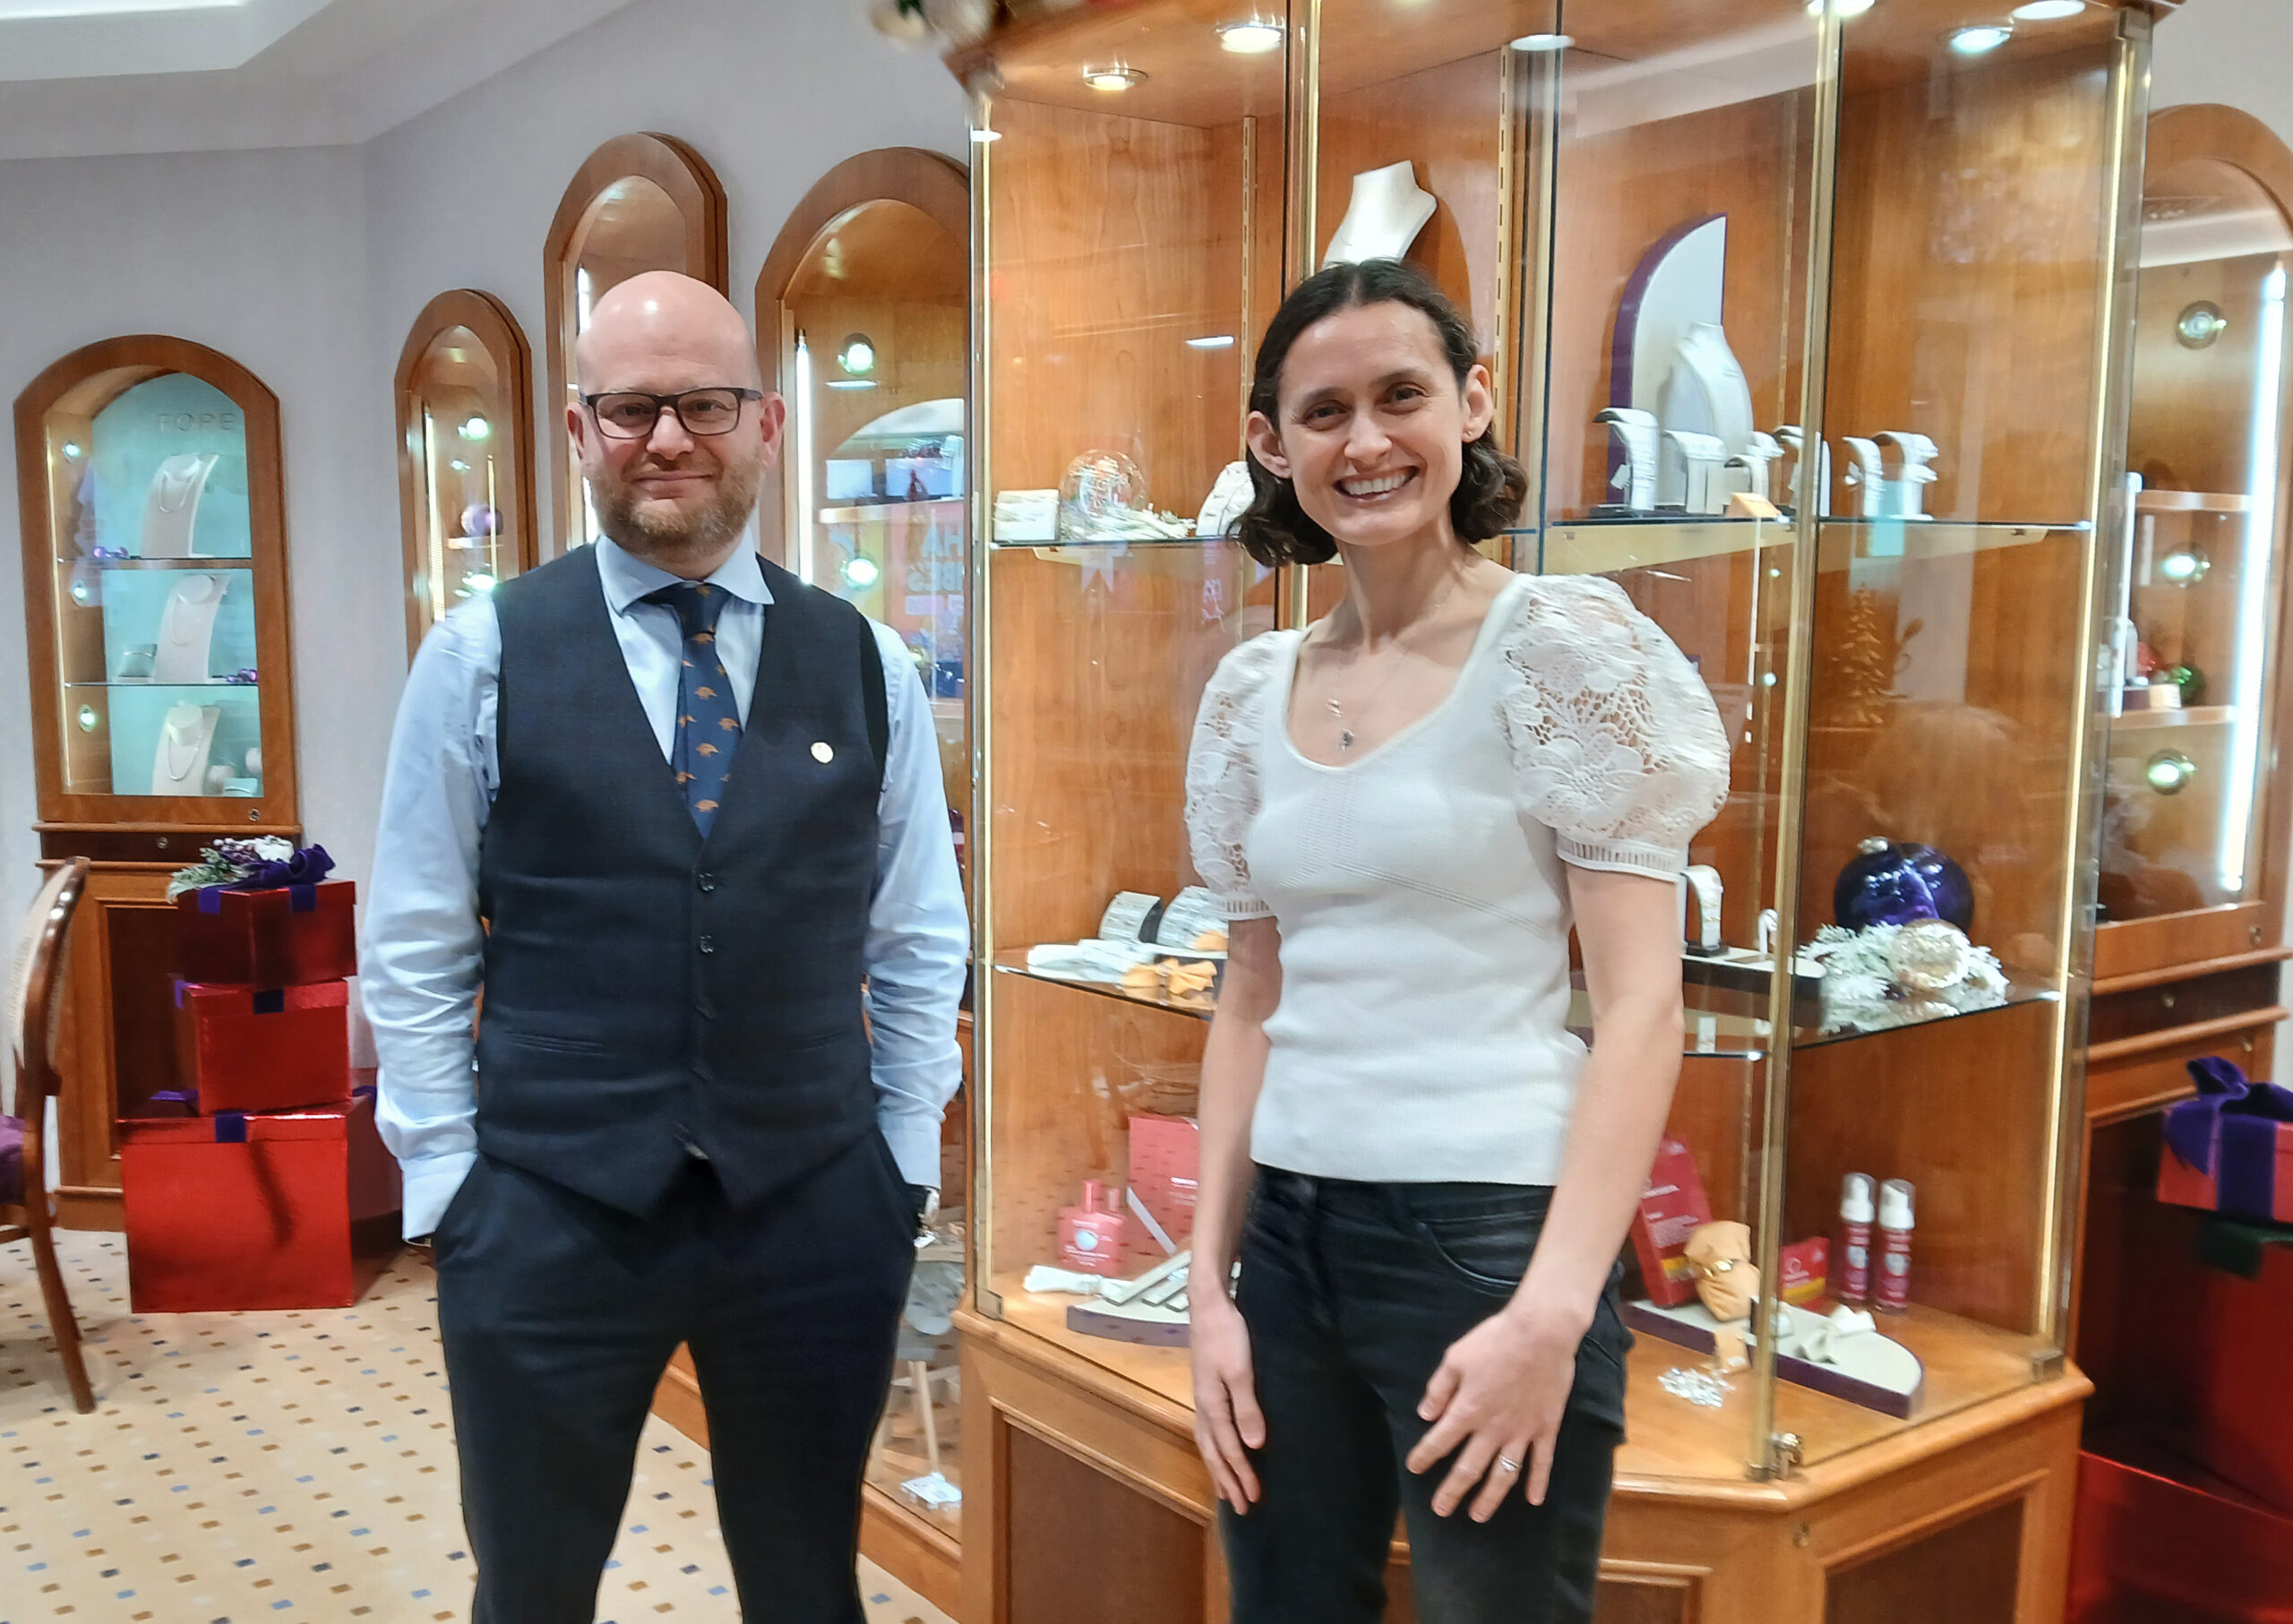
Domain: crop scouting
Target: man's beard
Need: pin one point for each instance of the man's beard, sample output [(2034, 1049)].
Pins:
[(667, 536)]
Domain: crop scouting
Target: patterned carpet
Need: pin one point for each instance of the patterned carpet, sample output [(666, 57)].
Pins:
[(286, 1465)]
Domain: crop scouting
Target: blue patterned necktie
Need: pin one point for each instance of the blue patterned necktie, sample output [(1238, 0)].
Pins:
[(708, 723)]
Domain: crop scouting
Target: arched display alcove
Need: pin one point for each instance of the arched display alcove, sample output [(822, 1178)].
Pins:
[(638, 203), (465, 454)]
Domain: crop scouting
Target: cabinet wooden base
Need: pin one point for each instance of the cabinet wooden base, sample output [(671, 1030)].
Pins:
[(1085, 1499)]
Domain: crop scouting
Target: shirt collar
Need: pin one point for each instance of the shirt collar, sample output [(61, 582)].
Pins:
[(628, 578)]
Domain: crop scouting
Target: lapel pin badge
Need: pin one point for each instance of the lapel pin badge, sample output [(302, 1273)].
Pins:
[(823, 752)]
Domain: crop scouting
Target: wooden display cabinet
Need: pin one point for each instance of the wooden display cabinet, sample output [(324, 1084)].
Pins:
[(1927, 235), (466, 455), (155, 584), (638, 203)]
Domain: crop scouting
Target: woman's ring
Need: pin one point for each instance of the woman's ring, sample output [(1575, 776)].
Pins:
[(1504, 1465)]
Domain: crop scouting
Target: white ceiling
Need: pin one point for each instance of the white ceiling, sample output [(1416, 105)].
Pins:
[(197, 76)]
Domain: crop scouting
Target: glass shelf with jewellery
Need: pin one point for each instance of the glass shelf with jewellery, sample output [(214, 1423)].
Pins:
[(1807, 345), (152, 491)]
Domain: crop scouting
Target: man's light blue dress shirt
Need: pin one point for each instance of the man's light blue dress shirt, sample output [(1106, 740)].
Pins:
[(422, 961)]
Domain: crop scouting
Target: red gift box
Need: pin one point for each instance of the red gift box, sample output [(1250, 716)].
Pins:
[(295, 1209), (2147, 1548), (287, 936), (2230, 1149), (275, 1049), (1671, 1208)]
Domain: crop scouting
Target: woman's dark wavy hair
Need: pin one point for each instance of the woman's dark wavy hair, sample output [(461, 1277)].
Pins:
[(1491, 487)]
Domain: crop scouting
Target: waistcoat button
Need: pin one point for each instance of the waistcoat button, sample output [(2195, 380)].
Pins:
[(707, 944), (708, 883)]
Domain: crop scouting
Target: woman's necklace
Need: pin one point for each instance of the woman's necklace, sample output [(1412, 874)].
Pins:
[(1361, 707)]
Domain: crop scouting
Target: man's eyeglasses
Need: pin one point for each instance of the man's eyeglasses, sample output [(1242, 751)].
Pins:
[(628, 414)]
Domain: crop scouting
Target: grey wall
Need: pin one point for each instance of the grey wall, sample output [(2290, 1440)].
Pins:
[(308, 265)]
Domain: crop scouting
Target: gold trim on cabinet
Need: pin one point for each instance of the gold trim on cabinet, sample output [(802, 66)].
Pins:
[(1771, 1460), (979, 848)]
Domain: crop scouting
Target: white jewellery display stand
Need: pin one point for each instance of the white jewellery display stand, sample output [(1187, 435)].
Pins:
[(186, 736), (186, 629), (171, 509), (1388, 210)]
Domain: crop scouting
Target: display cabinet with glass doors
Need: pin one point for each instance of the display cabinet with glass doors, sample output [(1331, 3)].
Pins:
[(2188, 956), (155, 586), (1808, 323), (466, 455)]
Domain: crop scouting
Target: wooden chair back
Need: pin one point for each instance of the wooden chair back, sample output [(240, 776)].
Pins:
[(35, 1000)]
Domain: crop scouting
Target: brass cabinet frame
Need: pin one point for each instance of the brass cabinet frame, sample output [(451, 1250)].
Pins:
[(513, 360), (677, 169)]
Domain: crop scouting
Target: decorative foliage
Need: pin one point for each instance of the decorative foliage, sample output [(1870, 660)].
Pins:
[(252, 865)]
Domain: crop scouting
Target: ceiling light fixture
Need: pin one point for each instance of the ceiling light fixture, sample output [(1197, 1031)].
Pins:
[(2047, 10), (1543, 42), (1250, 36), (2169, 771), (71, 448), (1116, 77), (1980, 38), (858, 354), (476, 427), (861, 573)]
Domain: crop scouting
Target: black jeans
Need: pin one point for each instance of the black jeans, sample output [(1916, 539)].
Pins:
[(558, 1314), (1352, 1293)]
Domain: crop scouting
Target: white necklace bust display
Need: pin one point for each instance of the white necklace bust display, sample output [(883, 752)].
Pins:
[(186, 736), (186, 629), (1388, 210), (171, 507)]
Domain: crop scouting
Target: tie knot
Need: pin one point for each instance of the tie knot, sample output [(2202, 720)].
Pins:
[(696, 603)]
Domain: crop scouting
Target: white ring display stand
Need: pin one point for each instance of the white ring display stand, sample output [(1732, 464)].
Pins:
[(1388, 210), (186, 736), (171, 509), (187, 629)]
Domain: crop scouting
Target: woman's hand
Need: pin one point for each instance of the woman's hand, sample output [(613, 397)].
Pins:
[(1227, 1424), (1498, 1397)]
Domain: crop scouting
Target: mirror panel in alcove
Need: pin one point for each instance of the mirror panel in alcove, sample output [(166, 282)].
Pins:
[(639, 203), (465, 425)]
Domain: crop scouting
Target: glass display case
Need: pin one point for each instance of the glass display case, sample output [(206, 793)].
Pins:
[(155, 573), (2191, 856), (465, 454), (1808, 323), (638, 203), (155, 592)]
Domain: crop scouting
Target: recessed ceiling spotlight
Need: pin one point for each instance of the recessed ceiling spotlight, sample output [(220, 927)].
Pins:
[(1116, 77), (476, 427), (1249, 37), (1845, 8), (1543, 42), (858, 354), (861, 573), (1981, 38), (72, 447), (1212, 340), (2047, 10)]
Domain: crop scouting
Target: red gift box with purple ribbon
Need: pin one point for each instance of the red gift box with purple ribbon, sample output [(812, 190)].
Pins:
[(261, 1049), (290, 1209), (2230, 1149), (283, 935)]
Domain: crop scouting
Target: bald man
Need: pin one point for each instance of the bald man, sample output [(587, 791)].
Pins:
[(679, 817)]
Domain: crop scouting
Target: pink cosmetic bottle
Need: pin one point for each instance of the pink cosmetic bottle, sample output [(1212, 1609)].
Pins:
[(1091, 1236)]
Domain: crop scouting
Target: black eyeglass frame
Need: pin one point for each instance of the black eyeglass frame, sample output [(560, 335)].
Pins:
[(672, 403)]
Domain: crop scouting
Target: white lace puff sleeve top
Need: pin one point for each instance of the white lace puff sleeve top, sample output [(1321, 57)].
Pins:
[(1422, 1033)]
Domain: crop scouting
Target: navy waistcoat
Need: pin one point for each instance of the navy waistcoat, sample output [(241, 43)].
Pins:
[(650, 993)]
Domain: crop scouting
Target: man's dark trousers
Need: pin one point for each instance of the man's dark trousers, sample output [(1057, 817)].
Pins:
[(559, 1314)]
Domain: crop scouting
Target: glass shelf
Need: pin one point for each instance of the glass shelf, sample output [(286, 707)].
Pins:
[(159, 563), (1114, 543), (2196, 715), (213, 682), (1599, 546), (1014, 962)]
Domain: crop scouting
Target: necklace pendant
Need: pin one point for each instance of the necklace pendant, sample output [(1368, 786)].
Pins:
[(1345, 738), (1335, 708)]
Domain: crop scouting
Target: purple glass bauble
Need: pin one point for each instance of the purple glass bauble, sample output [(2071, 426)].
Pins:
[(479, 519), (1891, 882)]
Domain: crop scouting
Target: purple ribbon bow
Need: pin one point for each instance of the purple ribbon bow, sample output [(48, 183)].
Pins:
[(2229, 1133)]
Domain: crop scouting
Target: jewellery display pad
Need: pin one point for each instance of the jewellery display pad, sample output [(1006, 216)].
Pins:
[(1919, 675)]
